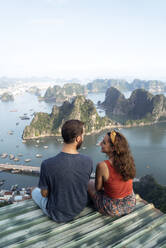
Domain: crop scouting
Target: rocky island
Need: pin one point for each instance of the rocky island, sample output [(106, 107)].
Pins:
[(7, 97), (142, 107), (44, 124), (34, 90), (66, 93)]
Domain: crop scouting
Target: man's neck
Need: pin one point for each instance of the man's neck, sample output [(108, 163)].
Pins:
[(69, 148)]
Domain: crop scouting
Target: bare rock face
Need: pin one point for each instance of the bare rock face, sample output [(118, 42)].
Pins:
[(140, 105), (113, 100), (80, 108)]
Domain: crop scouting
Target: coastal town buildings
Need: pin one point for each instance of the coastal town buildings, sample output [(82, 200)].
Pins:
[(14, 195)]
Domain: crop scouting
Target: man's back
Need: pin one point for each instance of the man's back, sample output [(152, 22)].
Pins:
[(66, 177)]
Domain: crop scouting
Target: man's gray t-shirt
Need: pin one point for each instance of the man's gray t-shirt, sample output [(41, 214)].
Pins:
[(66, 177)]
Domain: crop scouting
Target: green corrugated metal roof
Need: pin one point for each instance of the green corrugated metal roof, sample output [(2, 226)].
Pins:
[(24, 225)]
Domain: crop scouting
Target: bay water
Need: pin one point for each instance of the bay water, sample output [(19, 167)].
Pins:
[(147, 144)]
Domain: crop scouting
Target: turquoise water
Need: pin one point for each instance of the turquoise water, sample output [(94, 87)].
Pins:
[(148, 144)]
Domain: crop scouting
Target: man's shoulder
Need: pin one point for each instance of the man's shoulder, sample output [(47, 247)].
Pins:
[(85, 157), (51, 159), (86, 160)]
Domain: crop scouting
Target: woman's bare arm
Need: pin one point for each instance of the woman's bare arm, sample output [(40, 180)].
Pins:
[(100, 172)]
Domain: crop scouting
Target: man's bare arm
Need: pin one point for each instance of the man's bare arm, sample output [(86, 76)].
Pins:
[(44, 192)]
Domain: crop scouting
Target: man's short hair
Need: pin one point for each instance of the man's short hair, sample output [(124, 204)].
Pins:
[(71, 129)]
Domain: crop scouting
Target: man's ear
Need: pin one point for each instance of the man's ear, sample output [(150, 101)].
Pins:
[(78, 138)]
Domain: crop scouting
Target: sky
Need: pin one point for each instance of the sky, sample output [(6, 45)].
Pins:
[(83, 38)]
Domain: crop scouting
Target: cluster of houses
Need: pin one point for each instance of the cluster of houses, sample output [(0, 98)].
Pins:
[(14, 194)]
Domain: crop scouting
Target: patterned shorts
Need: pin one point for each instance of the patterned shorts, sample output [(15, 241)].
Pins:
[(114, 207)]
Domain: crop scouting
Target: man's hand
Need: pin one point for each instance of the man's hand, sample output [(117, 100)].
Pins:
[(44, 192)]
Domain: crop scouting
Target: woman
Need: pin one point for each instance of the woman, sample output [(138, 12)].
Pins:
[(112, 190)]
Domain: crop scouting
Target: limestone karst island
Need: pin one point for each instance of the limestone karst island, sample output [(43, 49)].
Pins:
[(44, 125)]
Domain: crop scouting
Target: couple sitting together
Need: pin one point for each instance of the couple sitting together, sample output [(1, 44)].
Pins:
[(65, 179)]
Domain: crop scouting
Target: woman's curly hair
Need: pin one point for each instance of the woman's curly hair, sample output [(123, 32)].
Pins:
[(123, 160)]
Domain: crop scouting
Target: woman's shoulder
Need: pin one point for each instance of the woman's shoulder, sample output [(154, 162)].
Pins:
[(102, 165)]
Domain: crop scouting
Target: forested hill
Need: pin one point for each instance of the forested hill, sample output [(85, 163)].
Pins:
[(44, 124)]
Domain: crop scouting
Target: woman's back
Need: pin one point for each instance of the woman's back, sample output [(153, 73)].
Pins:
[(115, 187)]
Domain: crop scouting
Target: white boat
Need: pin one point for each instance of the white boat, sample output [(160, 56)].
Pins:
[(38, 155), (11, 156), (27, 160), (4, 155), (15, 171), (10, 132), (45, 147), (16, 159), (20, 155)]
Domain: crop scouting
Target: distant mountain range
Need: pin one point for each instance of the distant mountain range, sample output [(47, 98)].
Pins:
[(70, 90), (101, 85)]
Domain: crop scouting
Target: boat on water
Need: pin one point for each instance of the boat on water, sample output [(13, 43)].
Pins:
[(10, 132), (15, 171), (13, 110), (83, 147), (16, 159), (45, 147), (2, 182), (27, 160), (11, 156), (38, 155), (4, 155), (17, 123), (20, 155), (24, 117)]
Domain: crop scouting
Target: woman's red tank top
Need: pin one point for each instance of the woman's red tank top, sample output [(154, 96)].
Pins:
[(115, 187)]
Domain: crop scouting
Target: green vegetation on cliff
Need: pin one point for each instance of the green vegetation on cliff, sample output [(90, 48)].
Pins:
[(44, 124), (151, 191), (67, 92), (142, 107)]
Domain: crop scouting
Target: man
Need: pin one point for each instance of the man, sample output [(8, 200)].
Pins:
[(63, 182)]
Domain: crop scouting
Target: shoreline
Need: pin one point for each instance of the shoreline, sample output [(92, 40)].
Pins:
[(100, 130)]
